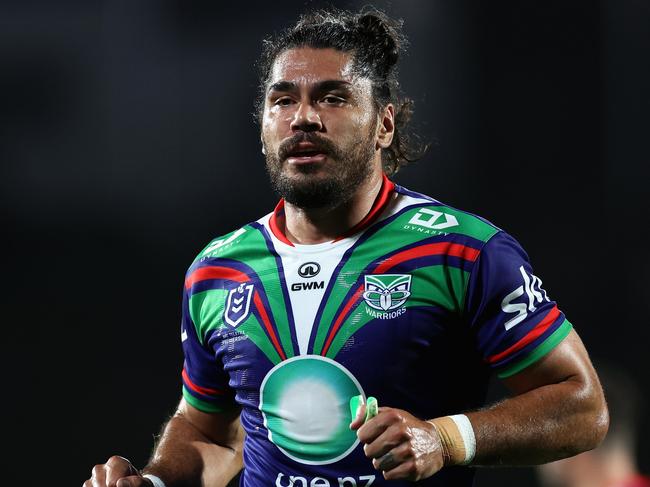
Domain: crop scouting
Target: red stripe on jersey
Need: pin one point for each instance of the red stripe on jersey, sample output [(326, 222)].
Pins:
[(448, 248), (278, 214), (214, 272), (267, 325), (201, 390), (378, 206), (533, 334), (339, 320)]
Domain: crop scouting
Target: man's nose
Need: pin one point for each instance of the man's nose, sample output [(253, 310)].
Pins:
[(306, 118)]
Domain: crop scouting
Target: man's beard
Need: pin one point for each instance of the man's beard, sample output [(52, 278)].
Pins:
[(347, 170)]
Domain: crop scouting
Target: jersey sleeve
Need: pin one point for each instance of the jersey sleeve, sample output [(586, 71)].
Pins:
[(205, 383), (512, 317)]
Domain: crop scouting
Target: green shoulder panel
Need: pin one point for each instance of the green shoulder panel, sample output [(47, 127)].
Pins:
[(220, 245), (248, 251), (206, 307), (442, 220)]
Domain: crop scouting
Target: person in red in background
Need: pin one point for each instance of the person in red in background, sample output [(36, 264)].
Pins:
[(614, 462)]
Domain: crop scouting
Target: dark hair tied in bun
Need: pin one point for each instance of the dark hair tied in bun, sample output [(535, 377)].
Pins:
[(376, 41)]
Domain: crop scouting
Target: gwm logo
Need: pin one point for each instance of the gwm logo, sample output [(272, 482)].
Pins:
[(387, 293), (306, 271), (307, 286), (309, 269)]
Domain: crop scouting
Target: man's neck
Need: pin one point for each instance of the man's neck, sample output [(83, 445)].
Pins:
[(315, 226)]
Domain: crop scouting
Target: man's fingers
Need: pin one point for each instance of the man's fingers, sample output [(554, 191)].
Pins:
[(361, 411), (385, 462), (98, 476), (133, 481), (377, 425), (359, 419), (116, 472), (399, 463), (406, 470), (116, 468), (391, 438)]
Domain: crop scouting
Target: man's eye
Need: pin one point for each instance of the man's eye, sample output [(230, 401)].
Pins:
[(331, 100), (283, 101)]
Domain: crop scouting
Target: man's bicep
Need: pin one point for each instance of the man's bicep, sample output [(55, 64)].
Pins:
[(223, 428), (569, 360)]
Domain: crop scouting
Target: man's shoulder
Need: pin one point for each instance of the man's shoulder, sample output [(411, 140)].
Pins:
[(421, 213)]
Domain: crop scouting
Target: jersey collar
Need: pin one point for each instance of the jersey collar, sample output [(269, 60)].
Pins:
[(276, 222)]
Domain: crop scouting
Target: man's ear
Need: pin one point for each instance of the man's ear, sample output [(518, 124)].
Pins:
[(386, 129), (263, 146)]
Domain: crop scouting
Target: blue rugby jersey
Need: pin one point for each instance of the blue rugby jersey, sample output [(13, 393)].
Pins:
[(417, 306)]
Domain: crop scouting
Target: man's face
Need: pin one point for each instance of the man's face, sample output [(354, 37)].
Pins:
[(318, 127)]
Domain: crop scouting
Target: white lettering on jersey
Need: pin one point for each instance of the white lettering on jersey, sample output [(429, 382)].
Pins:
[(220, 243), (183, 335), (532, 287), (298, 481), (426, 217)]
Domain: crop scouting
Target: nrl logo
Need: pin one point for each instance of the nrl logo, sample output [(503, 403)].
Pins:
[(238, 304), (386, 292)]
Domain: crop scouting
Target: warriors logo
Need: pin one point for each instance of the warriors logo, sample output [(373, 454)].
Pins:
[(385, 292)]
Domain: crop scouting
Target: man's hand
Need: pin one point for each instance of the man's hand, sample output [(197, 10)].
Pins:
[(400, 445), (116, 472)]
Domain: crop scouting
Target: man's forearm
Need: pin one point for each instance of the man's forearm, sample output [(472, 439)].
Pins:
[(542, 425), (185, 456)]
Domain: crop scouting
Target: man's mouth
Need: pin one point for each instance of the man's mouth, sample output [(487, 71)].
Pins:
[(306, 158), (306, 153)]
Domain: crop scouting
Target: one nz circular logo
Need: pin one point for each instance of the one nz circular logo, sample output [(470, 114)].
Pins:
[(304, 401), (386, 294)]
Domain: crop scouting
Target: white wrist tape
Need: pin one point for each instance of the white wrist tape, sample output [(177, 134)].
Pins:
[(467, 432), (156, 481)]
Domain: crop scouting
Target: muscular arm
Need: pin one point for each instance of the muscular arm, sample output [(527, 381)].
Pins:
[(557, 410), (196, 448)]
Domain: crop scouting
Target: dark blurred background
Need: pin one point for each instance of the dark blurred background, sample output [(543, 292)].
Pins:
[(127, 142)]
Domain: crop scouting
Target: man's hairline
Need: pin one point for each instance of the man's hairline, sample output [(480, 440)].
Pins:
[(377, 105), (353, 53)]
